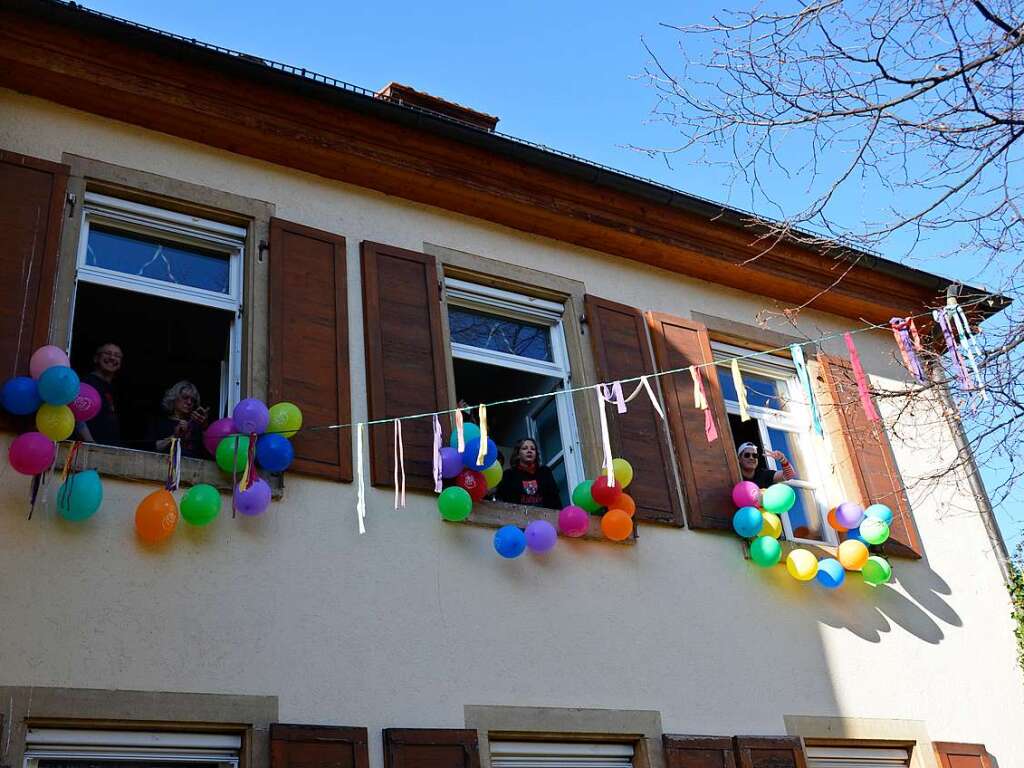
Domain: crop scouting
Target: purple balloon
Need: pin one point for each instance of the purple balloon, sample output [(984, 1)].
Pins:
[(541, 536), (255, 499), (451, 463), (216, 432), (849, 514), (251, 415)]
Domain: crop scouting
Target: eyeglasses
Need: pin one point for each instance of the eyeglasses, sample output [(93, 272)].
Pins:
[(190, 398), (748, 456)]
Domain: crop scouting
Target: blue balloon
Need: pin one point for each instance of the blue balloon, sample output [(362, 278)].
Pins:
[(831, 573), (470, 431), (58, 385), (879, 511), (509, 541), (20, 396), (469, 455), (854, 533), (80, 496), (274, 452), (747, 522)]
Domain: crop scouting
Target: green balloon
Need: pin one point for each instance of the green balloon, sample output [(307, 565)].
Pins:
[(581, 497), (455, 503), (200, 505), (80, 496), (232, 455), (778, 499), (765, 551), (873, 530), (876, 571)]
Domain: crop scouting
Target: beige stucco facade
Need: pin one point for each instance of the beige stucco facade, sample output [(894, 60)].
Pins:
[(415, 620)]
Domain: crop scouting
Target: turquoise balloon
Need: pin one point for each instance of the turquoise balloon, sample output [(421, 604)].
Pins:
[(778, 499), (765, 551), (879, 512), (58, 385), (470, 431), (831, 573), (80, 496), (873, 530), (747, 521)]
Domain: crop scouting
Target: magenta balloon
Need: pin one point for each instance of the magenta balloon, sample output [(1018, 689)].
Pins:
[(541, 536), (573, 521), (849, 515), (255, 499), (87, 404), (216, 432), (46, 357), (32, 453), (251, 415), (746, 494), (451, 462)]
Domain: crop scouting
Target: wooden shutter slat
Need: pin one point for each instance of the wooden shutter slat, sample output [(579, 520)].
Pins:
[(430, 748), (871, 464), (309, 343), (32, 195), (707, 471), (698, 751), (953, 754), (318, 746), (618, 336), (405, 358), (770, 752)]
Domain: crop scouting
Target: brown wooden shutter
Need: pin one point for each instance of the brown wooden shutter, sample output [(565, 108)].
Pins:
[(698, 751), (871, 466), (430, 748), (621, 351), (707, 471), (32, 194), (405, 358), (309, 343), (770, 752), (955, 755), (318, 746)]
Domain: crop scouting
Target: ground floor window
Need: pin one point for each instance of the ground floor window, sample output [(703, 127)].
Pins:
[(58, 748), (551, 754)]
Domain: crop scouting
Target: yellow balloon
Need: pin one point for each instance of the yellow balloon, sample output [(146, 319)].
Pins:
[(853, 554), (57, 422), (802, 565), (493, 475), (623, 472), (772, 525)]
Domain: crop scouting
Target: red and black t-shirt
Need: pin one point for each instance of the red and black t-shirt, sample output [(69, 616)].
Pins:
[(533, 487)]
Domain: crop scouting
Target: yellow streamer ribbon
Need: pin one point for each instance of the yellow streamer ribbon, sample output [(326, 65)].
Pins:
[(741, 391)]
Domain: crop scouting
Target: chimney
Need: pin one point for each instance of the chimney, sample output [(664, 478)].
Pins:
[(403, 94)]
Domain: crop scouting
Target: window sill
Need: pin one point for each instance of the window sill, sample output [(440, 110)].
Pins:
[(495, 514), (146, 466)]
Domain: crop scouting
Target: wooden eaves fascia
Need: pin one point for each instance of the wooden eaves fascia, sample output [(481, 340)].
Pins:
[(111, 69)]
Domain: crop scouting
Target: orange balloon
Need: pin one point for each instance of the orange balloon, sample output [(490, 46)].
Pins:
[(835, 523), (156, 517), (616, 525), (626, 504), (853, 554)]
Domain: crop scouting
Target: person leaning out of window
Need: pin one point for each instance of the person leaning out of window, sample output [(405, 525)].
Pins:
[(105, 426), (528, 481), (753, 470), (184, 418)]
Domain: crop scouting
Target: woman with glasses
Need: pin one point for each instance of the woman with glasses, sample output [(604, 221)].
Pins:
[(752, 469), (183, 418)]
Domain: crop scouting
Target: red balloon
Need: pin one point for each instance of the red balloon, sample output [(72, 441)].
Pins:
[(604, 494), (474, 482)]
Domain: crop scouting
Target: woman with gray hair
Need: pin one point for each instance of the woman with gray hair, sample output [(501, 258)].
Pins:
[(183, 418)]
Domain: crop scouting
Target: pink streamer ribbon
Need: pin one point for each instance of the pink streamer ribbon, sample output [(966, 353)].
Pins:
[(909, 343), (862, 383)]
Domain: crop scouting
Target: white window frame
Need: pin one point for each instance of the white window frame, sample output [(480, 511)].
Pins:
[(216, 750), (516, 306), (146, 220), (796, 421)]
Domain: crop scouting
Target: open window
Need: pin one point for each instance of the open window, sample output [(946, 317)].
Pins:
[(780, 420), (166, 288), (504, 346)]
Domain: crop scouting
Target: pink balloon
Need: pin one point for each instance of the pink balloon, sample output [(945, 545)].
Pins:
[(746, 494), (32, 453), (573, 521), (47, 357), (216, 432), (87, 404)]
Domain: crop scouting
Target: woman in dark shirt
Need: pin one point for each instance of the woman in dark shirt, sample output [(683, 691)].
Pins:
[(528, 481), (184, 419)]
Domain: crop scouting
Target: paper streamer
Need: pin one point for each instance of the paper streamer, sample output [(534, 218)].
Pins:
[(399, 464), (650, 393), (699, 401), (173, 465), (460, 436), (438, 485), (967, 342), (613, 394), (360, 480), (862, 382), (606, 443), (797, 352), (700, 396), (939, 316), (482, 453), (909, 343), (741, 390)]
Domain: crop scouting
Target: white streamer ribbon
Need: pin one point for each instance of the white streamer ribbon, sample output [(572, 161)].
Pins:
[(650, 393), (613, 394), (606, 442), (967, 342), (481, 455), (399, 464), (360, 482), (699, 400), (437, 455)]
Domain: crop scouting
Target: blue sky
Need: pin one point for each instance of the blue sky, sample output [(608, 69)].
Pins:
[(565, 74)]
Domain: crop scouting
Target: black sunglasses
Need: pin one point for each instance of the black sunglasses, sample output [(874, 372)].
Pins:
[(748, 455)]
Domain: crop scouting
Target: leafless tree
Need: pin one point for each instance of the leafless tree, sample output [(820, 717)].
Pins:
[(918, 104)]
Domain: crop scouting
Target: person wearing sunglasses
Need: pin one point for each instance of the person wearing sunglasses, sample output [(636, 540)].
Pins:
[(754, 470), (184, 418)]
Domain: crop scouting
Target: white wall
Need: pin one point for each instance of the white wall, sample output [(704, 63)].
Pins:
[(408, 623)]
